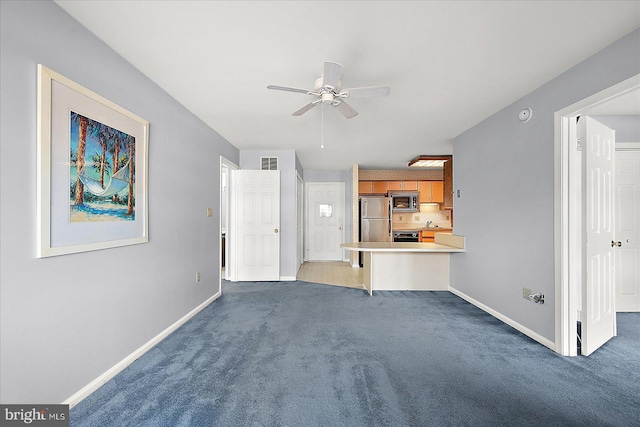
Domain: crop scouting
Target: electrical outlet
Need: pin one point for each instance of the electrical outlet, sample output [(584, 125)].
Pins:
[(197, 276), (209, 212), (416, 218), (526, 293), (458, 193)]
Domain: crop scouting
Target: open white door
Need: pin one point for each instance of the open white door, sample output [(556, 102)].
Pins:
[(628, 230), (325, 219), (256, 215), (598, 267)]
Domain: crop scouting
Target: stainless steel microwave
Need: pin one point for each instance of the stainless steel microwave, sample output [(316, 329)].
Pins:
[(404, 202)]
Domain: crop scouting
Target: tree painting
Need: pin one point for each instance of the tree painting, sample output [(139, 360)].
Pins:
[(102, 172)]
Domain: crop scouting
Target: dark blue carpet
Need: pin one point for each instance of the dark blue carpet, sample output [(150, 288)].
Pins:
[(303, 354)]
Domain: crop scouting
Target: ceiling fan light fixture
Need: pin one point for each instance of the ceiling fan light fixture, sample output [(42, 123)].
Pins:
[(327, 97)]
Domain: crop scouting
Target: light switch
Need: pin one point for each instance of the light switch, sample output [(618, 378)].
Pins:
[(209, 212)]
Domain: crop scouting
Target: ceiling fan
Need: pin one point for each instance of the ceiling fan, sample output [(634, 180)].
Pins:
[(327, 90)]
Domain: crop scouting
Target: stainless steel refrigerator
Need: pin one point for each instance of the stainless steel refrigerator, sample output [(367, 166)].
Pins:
[(375, 219)]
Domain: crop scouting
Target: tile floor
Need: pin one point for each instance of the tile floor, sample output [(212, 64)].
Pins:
[(331, 273)]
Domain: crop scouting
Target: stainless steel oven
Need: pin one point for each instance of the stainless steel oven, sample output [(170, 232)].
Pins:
[(406, 236)]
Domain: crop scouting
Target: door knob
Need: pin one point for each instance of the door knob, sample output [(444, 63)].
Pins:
[(618, 244), (275, 230)]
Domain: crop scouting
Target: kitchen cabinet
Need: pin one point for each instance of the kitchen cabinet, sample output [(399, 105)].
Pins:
[(372, 187), (364, 187), (431, 191), (402, 185), (394, 185), (447, 201), (409, 185), (427, 235), (437, 188)]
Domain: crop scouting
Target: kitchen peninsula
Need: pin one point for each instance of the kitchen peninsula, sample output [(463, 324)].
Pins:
[(396, 266)]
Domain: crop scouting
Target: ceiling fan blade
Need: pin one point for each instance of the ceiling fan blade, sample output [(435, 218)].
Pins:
[(288, 89), (365, 92), (306, 108), (331, 76), (346, 110)]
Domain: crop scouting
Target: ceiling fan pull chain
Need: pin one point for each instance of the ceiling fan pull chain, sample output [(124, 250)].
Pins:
[(322, 126)]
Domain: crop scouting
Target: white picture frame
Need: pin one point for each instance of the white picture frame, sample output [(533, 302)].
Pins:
[(65, 226)]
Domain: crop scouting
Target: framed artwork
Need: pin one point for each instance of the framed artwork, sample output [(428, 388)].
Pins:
[(92, 170)]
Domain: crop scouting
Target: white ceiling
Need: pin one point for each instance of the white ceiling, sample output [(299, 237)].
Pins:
[(449, 64)]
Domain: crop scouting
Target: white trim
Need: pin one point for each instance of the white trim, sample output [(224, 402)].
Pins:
[(287, 278), (566, 312), (120, 366), (232, 166), (299, 222), (516, 325), (627, 146)]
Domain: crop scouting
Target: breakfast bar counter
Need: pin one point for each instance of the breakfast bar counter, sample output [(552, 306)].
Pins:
[(406, 265)]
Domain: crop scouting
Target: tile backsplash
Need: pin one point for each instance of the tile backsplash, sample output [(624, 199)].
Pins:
[(428, 212)]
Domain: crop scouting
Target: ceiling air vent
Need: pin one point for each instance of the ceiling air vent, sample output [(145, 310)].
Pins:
[(269, 163)]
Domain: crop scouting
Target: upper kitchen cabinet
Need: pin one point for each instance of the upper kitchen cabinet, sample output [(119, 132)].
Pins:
[(402, 185), (448, 184), (431, 191), (372, 187), (410, 185), (394, 185)]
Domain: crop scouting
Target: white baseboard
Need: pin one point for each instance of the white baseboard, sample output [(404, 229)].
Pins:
[(115, 370), (516, 325), (287, 278)]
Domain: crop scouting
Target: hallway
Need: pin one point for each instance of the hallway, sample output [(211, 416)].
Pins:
[(331, 273)]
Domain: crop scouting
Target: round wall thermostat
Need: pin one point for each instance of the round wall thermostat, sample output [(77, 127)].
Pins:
[(525, 115)]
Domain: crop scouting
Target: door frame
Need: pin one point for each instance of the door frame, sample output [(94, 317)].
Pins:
[(224, 162), (300, 193), (567, 263), (306, 214), (626, 147)]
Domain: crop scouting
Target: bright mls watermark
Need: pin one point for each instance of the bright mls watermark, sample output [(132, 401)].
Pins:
[(34, 415)]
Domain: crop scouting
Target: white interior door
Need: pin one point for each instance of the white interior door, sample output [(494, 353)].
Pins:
[(628, 230), (325, 219), (598, 294), (256, 215)]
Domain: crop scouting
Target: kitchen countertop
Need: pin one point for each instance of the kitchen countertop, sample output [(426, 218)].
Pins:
[(423, 228), (407, 266), (399, 247)]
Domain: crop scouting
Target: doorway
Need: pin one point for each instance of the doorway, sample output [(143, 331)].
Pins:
[(299, 221), (325, 221), (569, 259), (226, 260), (628, 227)]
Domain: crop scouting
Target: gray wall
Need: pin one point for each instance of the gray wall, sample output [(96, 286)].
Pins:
[(65, 320), (337, 176), (627, 127), (287, 164), (505, 172)]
